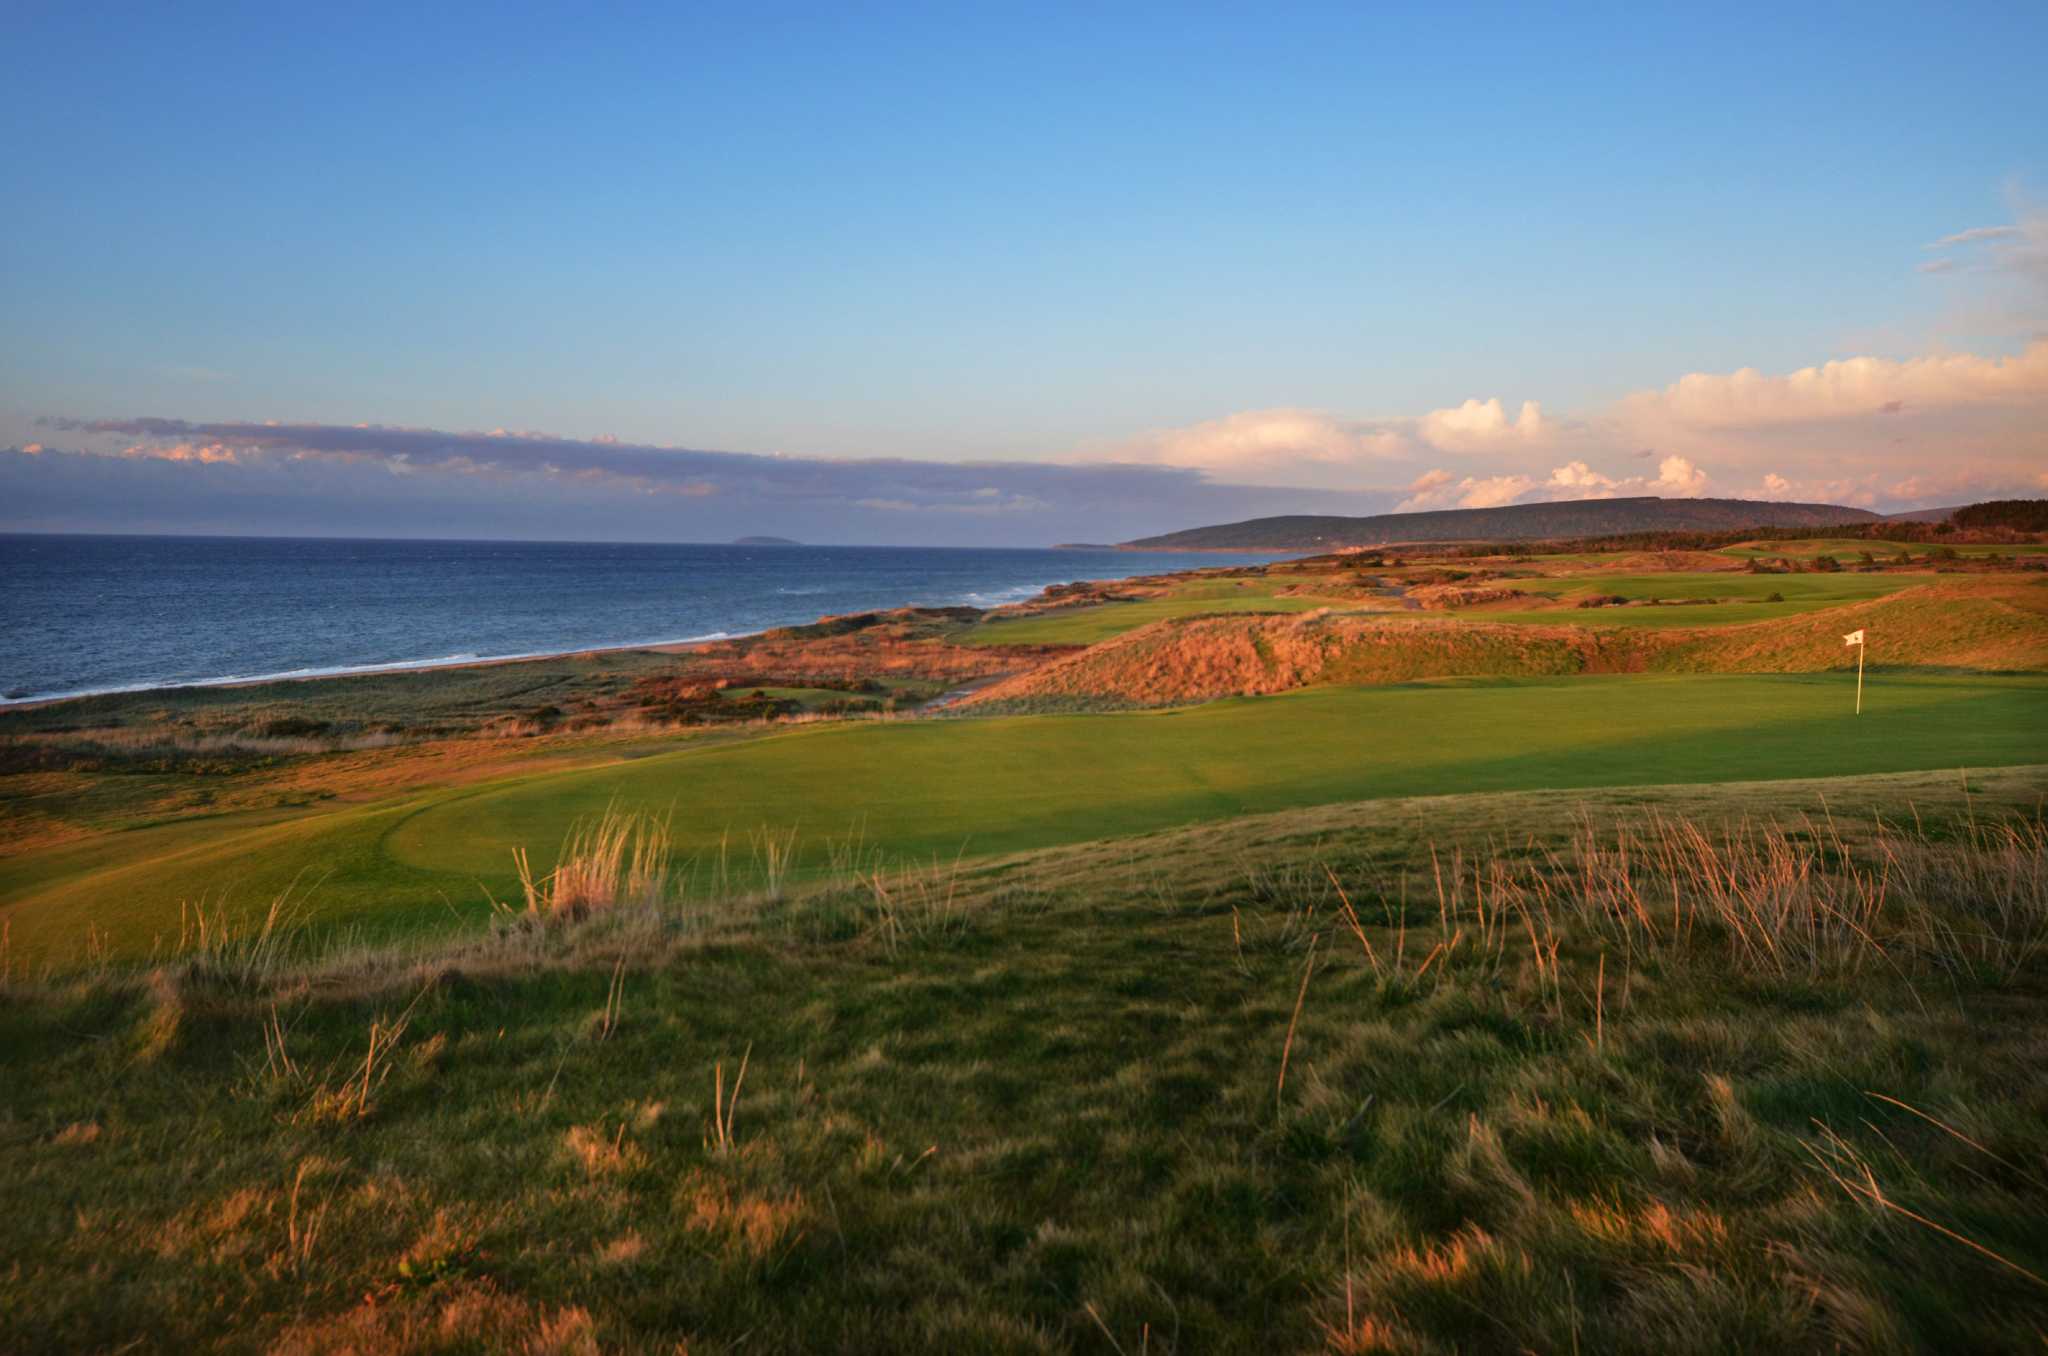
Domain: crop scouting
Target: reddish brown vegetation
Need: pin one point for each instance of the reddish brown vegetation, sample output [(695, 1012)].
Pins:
[(909, 643), (1960, 626)]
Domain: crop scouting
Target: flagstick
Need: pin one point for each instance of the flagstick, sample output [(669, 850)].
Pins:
[(1859, 679)]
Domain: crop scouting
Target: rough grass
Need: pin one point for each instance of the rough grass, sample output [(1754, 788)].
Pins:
[(1760, 1073)]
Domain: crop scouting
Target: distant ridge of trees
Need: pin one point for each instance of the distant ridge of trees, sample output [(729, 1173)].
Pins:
[(2017, 515), (1516, 522)]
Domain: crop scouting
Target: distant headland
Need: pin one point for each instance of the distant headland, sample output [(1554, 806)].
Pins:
[(764, 541)]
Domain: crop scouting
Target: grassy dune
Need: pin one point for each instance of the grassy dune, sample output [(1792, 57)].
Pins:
[(427, 858), (1741, 599), (1089, 625), (1969, 625), (1343, 1080)]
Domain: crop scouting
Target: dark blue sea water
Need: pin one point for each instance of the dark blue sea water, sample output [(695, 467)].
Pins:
[(100, 614)]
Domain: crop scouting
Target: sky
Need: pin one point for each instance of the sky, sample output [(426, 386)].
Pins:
[(982, 274)]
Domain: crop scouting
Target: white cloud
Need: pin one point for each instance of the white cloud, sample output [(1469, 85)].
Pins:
[(1481, 426), (1845, 389), (1315, 449), (1889, 418), (1974, 235), (2000, 274), (1581, 481), (1440, 489), (1678, 478), (1276, 446)]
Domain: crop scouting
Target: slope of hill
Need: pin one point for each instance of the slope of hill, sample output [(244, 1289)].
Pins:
[(1938, 626), (1516, 522)]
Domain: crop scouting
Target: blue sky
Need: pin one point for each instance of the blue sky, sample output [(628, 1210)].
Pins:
[(973, 233)]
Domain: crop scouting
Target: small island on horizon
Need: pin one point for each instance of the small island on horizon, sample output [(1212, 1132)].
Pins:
[(765, 541)]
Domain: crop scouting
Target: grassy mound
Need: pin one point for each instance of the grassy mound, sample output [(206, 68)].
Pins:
[(1089, 625), (1962, 626), (1756, 1073)]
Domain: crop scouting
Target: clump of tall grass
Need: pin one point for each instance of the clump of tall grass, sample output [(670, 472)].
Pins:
[(1768, 900), (346, 1089), (620, 858), (862, 893), (916, 902), (1804, 900), (244, 950)]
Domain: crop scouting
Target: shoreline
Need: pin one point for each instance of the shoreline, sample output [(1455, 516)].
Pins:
[(441, 663), (372, 670)]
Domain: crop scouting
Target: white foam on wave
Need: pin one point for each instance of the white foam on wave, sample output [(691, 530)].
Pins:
[(356, 670)]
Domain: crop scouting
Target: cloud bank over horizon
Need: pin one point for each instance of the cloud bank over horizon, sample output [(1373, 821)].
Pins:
[(1864, 432), (171, 475)]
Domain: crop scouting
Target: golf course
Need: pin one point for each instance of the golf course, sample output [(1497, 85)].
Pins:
[(1495, 950), (975, 788)]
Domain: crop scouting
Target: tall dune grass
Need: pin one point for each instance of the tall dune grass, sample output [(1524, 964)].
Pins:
[(1664, 1084), (1765, 900), (620, 858)]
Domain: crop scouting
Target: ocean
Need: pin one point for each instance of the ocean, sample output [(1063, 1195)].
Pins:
[(90, 614)]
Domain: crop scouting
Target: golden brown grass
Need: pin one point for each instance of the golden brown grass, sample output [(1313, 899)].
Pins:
[(616, 859)]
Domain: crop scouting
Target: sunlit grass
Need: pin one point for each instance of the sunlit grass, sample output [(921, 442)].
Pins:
[(991, 786), (1757, 1070)]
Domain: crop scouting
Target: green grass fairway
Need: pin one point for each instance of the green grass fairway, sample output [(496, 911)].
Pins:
[(1087, 625), (1001, 785), (1801, 593)]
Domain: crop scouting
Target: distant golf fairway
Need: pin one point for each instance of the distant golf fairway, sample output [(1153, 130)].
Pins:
[(918, 788)]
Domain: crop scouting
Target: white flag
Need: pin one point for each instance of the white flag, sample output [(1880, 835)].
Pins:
[(1853, 638)]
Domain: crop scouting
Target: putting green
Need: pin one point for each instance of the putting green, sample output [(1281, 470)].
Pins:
[(988, 786), (1000, 785)]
